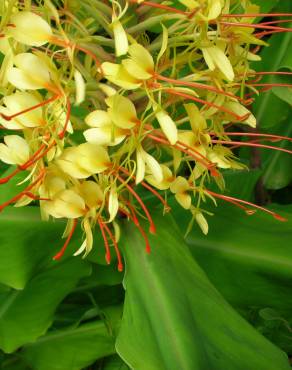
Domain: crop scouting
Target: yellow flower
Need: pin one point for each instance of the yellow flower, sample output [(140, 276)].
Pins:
[(66, 204), (29, 28), (118, 75), (84, 160), (22, 77), (215, 57), (180, 188), (15, 150), (140, 65), (18, 102), (103, 131)]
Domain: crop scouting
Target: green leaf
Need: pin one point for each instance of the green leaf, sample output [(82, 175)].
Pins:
[(266, 6), (269, 109), (26, 242), (175, 319), (114, 363), (247, 258), (74, 348), (277, 166), (26, 314)]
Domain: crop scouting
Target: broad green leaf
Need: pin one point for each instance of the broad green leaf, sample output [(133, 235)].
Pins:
[(26, 242), (175, 319), (114, 363), (74, 348), (266, 6), (269, 109), (239, 183), (277, 166), (284, 93), (247, 258), (27, 314)]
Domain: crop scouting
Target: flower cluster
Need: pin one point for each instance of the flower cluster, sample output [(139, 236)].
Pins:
[(96, 106)]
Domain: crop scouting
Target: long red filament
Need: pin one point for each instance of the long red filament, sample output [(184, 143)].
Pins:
[(67, 120), (148, 187), (60, 254), (237, 200), (254, 15), (271, 136), (106, 245), (243, 143), (152, 228), (141, 230), (208, 164), (204, 102), (23, 193), (257, 26), (198, 86), (112, 237), (45, 102), (159, 6)]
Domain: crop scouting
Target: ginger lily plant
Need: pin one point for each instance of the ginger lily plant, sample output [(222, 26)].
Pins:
[(160, 110)]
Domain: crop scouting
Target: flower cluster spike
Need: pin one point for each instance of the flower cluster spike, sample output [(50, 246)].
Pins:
[(95, 107)]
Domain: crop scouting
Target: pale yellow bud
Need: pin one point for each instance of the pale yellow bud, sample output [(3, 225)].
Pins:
[(120, 37), (113, 204), (80, 87), (167, 125), (202, 222)]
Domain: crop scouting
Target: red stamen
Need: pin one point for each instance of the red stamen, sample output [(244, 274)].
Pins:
[(255, 15), (257, 26), (221, 108), (159, 6), (120, 262), (277, 137), (278, 21), (60, 254), (152, 228), (270, 73), (198, 86), (148, 187), (205, 161), (4, 180), (144, 235), (23, 193), (45, 102), (266, 33), (237, 200), (67, 119), (269, 85), (106, 245), (243, 143), (142, 232)]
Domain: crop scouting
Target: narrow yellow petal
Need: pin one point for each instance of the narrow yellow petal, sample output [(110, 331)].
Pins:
[(168, 126)]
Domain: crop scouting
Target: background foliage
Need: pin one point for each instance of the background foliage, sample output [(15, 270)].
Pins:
[(220, 301)]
